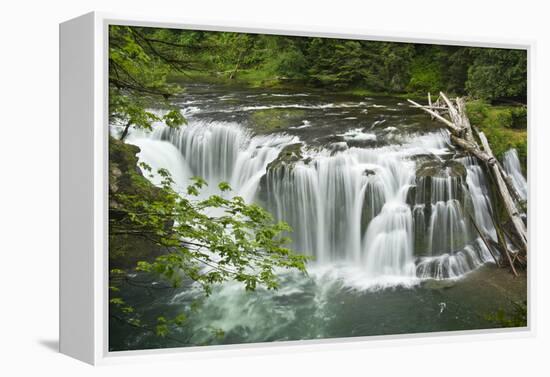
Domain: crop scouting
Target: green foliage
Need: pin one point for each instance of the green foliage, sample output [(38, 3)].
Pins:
[(338, 64), (519, 117), (478, 111), (283, 57), (425, 75), (137, 77), (142, 58), (499, 125), (243, 243), (290, 63), (504, 118), (377, 66), (163, 234), (455, 63), (497, 73), (517, 317)]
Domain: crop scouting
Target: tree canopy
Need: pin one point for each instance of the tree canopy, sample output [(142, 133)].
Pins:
[(482, 73)]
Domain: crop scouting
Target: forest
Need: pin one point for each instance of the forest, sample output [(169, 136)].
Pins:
[(384, 67)]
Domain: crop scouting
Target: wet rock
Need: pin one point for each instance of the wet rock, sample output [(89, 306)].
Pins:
[(373, 202), (441, 169), (447, 178), (288, 156), (330, 139), (337, 147), (441, 189), (369, 172), (126, 178), (363, 143), (285, 161)]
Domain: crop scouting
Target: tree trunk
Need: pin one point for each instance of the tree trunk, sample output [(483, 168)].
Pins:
[(125, 131)]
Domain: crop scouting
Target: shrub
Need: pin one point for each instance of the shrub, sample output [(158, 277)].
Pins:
[(477, 111), (519, 117), (503, 118)]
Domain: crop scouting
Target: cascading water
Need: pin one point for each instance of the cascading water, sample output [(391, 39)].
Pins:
[(479, 195), (218, 151), (379, 209), (330, 199), (513, 168)]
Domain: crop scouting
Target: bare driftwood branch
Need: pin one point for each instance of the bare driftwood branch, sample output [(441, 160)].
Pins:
[(435, 115)]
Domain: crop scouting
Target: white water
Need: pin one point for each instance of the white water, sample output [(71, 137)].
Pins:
[(160, 154), (513, 168), (348, 208)]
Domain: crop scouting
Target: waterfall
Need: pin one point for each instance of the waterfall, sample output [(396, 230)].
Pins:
[(224, 151), (453, 246), (447, 229), (479, 194), (160, 154), (362, 207), (513, 168)]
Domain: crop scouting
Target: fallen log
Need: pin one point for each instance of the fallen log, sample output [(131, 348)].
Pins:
[(509, 204), (435, 115)]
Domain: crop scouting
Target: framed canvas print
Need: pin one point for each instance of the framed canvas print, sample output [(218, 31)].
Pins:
[(224, 187)]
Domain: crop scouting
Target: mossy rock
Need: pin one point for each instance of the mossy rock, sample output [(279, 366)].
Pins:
[(286, 159), (337, 147), (288, 156), (440, 169), (330, 139), (271, 120), (125, 177)]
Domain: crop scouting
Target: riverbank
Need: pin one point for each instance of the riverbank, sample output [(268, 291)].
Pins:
[(254, 79)]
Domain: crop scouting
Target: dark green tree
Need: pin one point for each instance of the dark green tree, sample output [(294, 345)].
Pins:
[(497, 73)]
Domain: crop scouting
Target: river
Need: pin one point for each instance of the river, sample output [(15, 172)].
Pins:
[(376, 196)]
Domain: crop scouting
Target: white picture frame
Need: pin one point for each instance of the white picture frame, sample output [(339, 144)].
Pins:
[(84, 194)]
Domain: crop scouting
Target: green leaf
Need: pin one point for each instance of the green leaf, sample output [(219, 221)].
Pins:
[(224, 186), (162, 330), (116, 301), (180, 319)]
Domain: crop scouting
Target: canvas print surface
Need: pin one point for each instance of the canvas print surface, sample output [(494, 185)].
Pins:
[(268, 188)]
